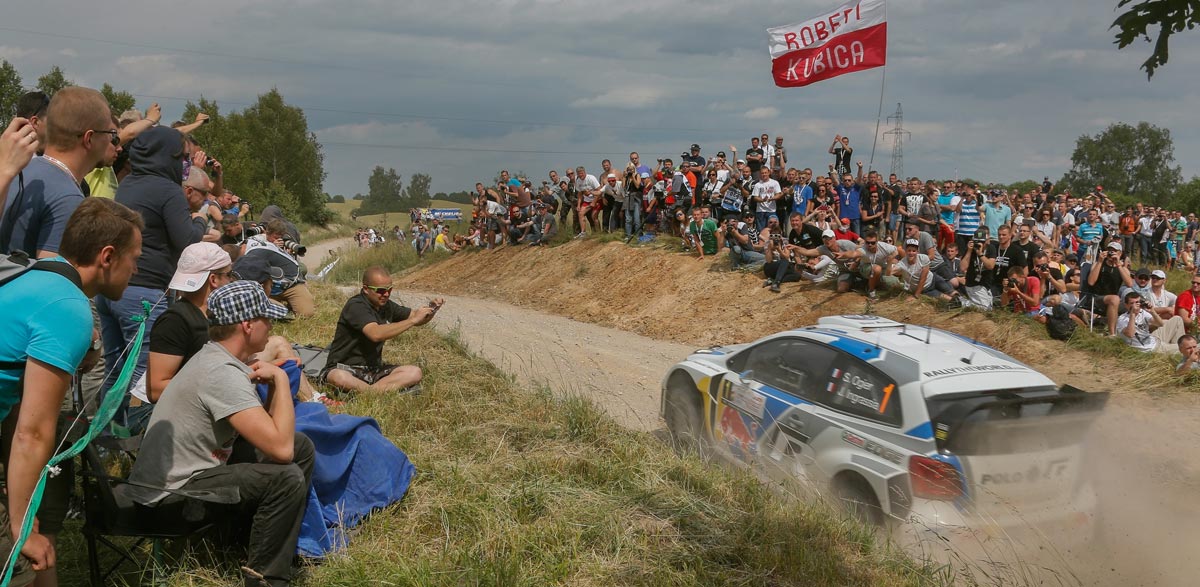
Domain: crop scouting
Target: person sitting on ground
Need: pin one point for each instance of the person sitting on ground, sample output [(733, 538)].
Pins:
[(746, 245), (845, 254), (1021, 294), (875, 261), (1060, 319), (1191, 354), (782, 257), (1136, 324), (918, 279), (211, 430), (368, 320)]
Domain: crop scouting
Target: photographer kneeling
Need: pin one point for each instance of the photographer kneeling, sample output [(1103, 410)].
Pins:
[(279, 250)]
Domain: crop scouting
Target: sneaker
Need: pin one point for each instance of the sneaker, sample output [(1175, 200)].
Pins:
[(414, 389), (581, 234), (774, 288), (872, 296), (768, 282)]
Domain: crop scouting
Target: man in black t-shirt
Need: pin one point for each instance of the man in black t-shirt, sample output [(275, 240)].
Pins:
[(782, 255), (755, 158), (368, 320), (977, 265), (183, 329), (1104, 278), (1008, 254)]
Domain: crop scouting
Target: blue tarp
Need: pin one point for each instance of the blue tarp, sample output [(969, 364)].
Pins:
[(357, 470)]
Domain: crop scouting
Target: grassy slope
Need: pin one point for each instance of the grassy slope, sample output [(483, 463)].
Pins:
[(391, 219), (521, 487)]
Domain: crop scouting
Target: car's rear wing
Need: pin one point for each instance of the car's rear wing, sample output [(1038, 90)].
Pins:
[(1057, 417)]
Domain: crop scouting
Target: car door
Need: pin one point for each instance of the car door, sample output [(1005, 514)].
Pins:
[(766, 401)]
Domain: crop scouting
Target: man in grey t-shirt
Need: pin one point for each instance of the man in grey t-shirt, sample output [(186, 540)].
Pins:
[(843, 252), (209, 428)]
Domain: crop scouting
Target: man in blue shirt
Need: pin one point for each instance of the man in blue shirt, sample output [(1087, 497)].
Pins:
[(996, 214), (1089, 233), (849, 197), (79, 135), (42, 345)]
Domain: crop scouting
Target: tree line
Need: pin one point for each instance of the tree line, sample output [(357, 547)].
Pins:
[(267, 151)]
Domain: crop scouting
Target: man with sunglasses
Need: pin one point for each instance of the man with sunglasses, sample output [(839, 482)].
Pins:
[(368, 320), (80, 134)]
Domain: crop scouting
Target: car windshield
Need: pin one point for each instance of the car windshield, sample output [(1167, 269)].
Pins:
[(1007, 421)]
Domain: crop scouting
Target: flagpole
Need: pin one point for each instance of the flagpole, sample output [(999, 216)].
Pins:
[(878, 116)]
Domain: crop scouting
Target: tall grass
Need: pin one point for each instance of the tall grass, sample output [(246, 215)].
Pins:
[(520, 486), (394, 255)]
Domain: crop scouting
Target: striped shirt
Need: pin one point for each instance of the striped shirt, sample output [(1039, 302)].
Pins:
[(968, 219), (1089, 232)]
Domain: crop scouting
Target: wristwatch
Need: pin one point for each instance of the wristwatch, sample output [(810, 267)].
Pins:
[(96, 345)]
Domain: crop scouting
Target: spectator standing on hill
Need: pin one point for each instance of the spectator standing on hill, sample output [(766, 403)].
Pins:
[(1105, 279), (587, 189), (849, 196), (997, 214), (79, 134), (1008, 254), (948, 205), (763, 195), (1090, 234), (970, 214), (614, 200), (755, 157), (153, 189), (979, 264), (841, 151)]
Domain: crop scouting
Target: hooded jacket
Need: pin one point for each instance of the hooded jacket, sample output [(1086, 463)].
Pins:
[(154, 190), (271, 212)]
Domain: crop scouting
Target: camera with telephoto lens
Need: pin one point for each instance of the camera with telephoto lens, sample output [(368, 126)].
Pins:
[(256, 229), (290, 245)]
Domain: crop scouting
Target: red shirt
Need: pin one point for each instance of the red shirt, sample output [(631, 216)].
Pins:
[(1187, 301), (845, 235)]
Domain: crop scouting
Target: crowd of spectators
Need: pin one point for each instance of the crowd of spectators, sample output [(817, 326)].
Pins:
[(114, 220), (1063, 259)]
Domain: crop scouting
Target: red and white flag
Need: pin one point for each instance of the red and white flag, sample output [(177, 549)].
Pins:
[(851, 38)]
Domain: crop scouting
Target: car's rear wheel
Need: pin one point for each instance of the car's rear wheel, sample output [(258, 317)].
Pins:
[(857, 498), (684, 416)]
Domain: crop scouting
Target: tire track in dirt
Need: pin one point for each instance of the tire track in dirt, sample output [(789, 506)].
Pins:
[(620, 371)]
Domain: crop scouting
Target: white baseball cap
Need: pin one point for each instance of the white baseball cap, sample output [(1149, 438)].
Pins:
[(828, 234), (195, 263)]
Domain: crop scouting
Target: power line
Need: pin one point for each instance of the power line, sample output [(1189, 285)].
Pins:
[(588, 125), (898, 135)]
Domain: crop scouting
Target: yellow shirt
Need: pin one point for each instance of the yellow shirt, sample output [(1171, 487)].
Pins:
[(103, 182)]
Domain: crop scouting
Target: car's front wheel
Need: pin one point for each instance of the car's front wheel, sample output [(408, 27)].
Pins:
[(684, 416)]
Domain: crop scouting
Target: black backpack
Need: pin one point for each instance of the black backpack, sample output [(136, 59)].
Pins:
[(1059, 324), (18, 263)]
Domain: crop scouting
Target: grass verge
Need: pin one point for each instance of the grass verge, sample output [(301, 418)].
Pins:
[(526, 487)]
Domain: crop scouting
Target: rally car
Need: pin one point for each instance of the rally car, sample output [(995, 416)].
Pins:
[(900, 422)]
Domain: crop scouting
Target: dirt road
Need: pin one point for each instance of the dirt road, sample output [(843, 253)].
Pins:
[(319, 253), (620, 370)]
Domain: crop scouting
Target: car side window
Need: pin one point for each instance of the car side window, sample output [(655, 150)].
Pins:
[(792, 365), (855, 387)]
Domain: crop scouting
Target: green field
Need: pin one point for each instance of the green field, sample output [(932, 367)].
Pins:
[(391, 219)]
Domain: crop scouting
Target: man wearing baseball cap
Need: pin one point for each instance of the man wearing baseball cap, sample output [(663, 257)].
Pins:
[(183, 329), (210, 427)]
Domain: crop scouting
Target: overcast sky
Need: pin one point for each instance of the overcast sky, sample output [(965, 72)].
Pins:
[(995, 90)]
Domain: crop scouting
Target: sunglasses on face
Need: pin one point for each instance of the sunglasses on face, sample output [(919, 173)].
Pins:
[(379, 290), (115, 136)]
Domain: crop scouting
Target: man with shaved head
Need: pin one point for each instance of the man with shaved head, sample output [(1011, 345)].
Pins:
[(79, 132), (368, 320)]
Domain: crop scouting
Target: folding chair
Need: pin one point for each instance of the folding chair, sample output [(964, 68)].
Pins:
[(109, 512)]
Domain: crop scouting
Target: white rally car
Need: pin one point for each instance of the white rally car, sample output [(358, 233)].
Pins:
[(902, 422)]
